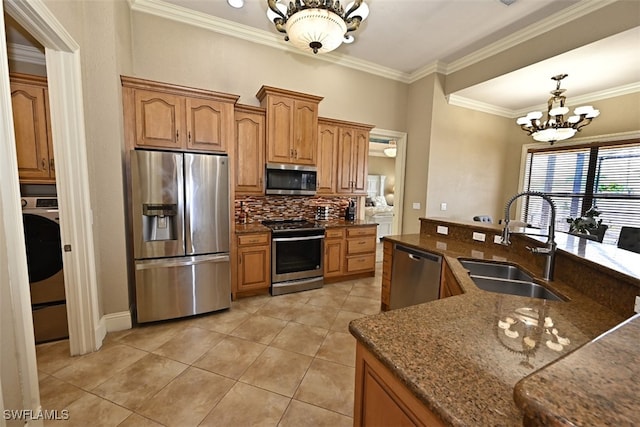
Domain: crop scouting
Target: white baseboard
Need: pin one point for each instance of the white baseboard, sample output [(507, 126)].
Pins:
[(117, 321)]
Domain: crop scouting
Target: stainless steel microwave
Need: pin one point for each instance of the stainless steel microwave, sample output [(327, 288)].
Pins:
[(285, 179)]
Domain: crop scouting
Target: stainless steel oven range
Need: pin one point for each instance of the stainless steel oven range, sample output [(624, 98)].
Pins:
[(296, 255)]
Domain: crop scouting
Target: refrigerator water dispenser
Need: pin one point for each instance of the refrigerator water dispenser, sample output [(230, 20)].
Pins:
[(159, 222)]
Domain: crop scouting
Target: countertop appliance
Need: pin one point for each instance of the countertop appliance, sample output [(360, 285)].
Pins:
[(44, 262), (297, 247), (180, 221), (415, 277), (285, 179)]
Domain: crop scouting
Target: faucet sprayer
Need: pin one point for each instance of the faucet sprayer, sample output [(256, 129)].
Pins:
[(550, 249)]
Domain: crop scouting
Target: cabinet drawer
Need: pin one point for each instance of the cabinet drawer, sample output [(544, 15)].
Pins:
[(253, 239), (334, 233), (361, 263), (358, 246), (361, 231)]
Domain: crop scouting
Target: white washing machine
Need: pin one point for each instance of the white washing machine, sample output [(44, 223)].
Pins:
[(44, 260)]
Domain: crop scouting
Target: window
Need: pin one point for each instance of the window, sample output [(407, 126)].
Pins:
[(603, 175)]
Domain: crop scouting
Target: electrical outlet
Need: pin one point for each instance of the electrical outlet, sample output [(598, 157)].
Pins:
[(441, 229), (443, 206), (636, 308), (416, 205), (497, 239), (478, 236)]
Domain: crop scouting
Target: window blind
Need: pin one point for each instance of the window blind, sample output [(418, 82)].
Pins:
[(577, 178)]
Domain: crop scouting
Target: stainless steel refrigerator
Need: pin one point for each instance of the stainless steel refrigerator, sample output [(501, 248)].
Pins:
[(180, 222)]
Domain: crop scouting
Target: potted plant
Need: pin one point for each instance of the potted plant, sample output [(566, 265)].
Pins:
[(588, 224)]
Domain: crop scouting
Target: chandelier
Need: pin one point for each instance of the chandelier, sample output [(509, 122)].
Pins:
[(317, 25), (556, 127)]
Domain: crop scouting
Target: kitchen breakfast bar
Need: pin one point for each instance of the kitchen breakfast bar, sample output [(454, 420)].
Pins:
[(483, 358)]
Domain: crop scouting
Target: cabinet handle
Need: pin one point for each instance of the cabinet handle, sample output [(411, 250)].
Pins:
[(291, 152), (189, 136), (177, 135), (44, 164), (52, 165)]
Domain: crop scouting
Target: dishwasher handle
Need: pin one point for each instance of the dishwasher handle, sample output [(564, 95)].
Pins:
[(419, 255)]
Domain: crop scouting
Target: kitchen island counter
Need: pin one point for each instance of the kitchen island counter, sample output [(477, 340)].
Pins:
[(456, 358)]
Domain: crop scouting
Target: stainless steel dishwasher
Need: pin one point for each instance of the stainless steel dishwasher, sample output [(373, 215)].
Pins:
[(415, 277)]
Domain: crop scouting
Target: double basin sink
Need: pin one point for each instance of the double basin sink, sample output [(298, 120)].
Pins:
[(506, 279)]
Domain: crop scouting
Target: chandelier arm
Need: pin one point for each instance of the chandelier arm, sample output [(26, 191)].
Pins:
[(280, 25), (580, 124), (274, 9), (353, 23), (356, 5)]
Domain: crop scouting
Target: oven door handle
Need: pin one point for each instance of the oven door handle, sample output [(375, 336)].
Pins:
[(293, 239)]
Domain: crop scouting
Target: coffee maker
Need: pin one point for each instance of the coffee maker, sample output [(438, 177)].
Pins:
[(350, 211)]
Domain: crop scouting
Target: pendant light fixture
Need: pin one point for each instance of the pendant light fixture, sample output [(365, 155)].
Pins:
[(556, 127), (391, 150), (317, 25)]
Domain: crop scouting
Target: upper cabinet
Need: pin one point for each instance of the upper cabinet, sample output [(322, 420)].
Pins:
[(353, 153), (292, 125), (328, 133), (34, 147), (168, 116), (249, 152)]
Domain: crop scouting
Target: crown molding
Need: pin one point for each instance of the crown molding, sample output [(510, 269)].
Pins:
[(557, 20), (461, 101), (21, 53), (484, 107), (229, 28)]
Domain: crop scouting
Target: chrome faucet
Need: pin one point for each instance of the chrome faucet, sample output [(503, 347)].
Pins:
[(550, 250)]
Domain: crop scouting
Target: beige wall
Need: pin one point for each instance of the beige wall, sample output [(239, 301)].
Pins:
[(466, 161), (103, 59), (173, 52)]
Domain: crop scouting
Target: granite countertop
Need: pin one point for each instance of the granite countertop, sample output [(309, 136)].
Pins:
[(252, 227), (453, 354), (607, 370), (342, 223), (256, 227)]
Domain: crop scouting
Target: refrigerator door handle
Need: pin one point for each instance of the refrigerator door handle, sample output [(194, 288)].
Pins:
[(180, 262)]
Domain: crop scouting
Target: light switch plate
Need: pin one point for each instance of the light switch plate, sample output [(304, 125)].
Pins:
[(497, 239), (416, 205), (443, 206), (479, 236), (441, 229)]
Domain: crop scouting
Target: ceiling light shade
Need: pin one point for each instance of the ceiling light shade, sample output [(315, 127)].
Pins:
[(236, 3), (556, 127), (391, 150), (317, 25)]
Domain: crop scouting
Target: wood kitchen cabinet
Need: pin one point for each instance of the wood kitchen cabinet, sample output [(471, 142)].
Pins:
[(449, 286), (327, 160), (381, 399), (292, 125), (249, 153), (159, 115), (387, 264), (253, 261), (350, 252), (353, 152), (31, 122), (334, 252)]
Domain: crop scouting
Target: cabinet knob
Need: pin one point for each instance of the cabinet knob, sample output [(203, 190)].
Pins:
[(52, 165), (44, 164)]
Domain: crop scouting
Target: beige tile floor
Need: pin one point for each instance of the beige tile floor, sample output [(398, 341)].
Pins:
[(266, 361)]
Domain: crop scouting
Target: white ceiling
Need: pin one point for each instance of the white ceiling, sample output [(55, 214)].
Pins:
[(404, 38)]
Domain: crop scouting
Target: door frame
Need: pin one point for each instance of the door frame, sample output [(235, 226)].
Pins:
[(64, 75), (400, 164)]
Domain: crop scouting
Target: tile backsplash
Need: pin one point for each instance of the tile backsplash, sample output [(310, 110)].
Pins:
[(259, 208)]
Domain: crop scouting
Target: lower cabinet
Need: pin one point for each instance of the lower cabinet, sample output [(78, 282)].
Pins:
[(349, 251), (449, 286), (382, 400), (253, 262)]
